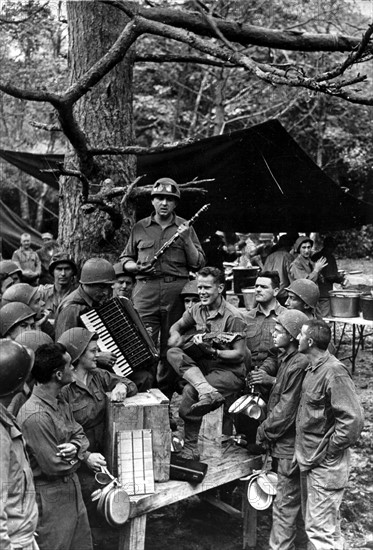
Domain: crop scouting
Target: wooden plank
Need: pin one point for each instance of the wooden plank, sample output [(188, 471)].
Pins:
[(135, 461), (250, 516), (210, 434), (227, 508), (132, 534), (235, 464)]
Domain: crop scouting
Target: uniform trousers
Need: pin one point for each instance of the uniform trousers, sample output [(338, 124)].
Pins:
[(322, 491), (159, 305), (287, 520), (63, 522)]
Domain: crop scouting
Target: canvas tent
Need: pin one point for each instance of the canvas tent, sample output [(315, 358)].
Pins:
[(11, 229), (263, 181)]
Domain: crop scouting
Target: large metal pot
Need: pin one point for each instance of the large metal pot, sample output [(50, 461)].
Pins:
[(244, 277), (366, 306), (344, 303)]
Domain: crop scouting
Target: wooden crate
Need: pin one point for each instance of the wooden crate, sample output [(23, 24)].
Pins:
[(210, 434), (147, 410)]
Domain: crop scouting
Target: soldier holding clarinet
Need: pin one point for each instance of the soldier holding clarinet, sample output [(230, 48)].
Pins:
[(161, 277)]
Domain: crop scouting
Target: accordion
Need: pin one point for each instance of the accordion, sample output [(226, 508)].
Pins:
[(121, 331)]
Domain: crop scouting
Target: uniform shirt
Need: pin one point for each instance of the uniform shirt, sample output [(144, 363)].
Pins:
[(146, 239), (301, 268), (226, 318), (52, 301), (70, 309), (330, 417), (18, 509), (259, 331), (88, 403), (27, 259), (47, 423), (279, 426)]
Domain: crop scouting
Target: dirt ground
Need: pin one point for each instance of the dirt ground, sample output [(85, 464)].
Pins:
[(195, 525)]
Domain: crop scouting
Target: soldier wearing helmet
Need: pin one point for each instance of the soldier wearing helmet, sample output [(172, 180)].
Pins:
[(16, 318), (8, 268), (18, 508), (31, 296), (189, 294), (63, 271), (86, 395), (157, 293), (96, 280), (303, 296), (277, 431)]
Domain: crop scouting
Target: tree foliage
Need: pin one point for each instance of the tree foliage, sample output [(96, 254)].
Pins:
[(200, 69)]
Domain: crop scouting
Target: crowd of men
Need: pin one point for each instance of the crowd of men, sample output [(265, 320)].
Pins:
[(54, 378)]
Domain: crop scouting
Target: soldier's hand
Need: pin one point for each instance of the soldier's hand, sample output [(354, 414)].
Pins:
[(95, 461), (205, 347), (145, 268), (119, 393), (260, 377), (106, 360)]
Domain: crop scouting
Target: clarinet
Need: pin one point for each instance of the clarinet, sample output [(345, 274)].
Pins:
[(170, 241)]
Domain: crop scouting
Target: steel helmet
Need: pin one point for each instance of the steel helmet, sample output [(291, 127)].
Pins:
[(20, 292), (300, 241), (166, 186), (76, 341), (33, 339), (8, 267), (12, 314), (306, 290), (292, 320), (62, 258), (97, 270), (190, 289), (15, 364)]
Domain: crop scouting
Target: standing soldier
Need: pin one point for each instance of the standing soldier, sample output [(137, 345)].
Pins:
[(18, 509), (157, 293)]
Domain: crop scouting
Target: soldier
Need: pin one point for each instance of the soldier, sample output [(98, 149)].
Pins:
[(18, 509), (157, 293), (16, 318)]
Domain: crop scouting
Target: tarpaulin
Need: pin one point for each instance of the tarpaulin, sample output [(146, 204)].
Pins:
[(11, 229), (263, 181)]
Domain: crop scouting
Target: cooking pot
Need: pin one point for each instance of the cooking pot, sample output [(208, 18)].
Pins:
[(250, 404), (344, 303), (244, 277), (366, 306), (249, 297)]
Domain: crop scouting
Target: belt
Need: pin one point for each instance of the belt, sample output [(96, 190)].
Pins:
[(165, 278), (64, 479)]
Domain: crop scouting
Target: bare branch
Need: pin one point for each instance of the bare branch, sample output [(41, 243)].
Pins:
[(247, 35), (27, 94), (171, 58)]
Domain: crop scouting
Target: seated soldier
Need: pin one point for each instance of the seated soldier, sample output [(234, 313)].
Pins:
[(215, 368)]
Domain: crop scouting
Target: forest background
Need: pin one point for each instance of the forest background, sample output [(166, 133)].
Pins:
[(176, 99)]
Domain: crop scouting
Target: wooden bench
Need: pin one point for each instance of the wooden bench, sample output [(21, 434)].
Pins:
[(233, 465)]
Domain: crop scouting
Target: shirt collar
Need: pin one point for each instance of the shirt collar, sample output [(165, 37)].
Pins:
[(85, 296), (175, 220), (275, 309), (323, 359), (220, 311), (40, 392)]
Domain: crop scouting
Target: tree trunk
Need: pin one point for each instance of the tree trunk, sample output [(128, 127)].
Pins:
[(105, 117)]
